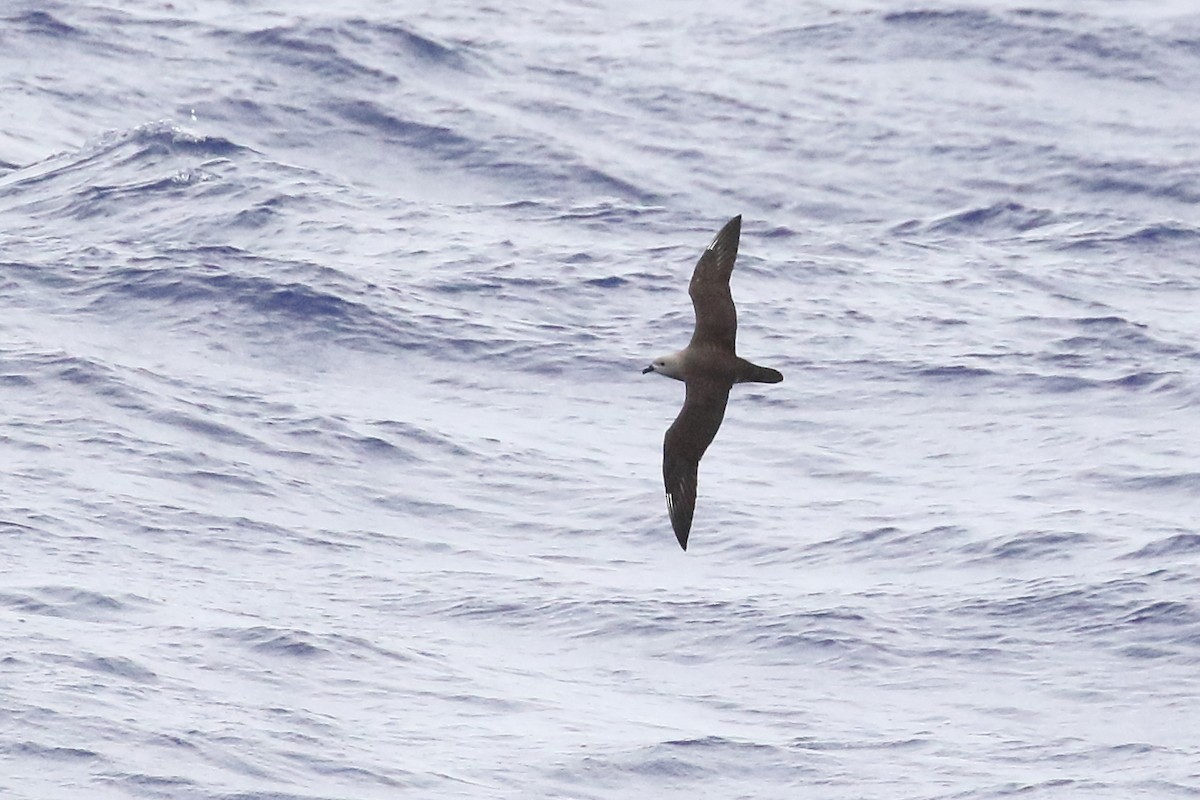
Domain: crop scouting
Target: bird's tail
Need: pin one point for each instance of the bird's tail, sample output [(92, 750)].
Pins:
[(752, 373)]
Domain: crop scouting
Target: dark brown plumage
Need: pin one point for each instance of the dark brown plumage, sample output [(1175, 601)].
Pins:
[(709, 366)]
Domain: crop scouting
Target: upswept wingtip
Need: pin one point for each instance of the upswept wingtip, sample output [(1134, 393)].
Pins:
[(730, 231), (734, 225)]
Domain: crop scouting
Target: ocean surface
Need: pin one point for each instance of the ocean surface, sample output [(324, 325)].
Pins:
[(329, 470)]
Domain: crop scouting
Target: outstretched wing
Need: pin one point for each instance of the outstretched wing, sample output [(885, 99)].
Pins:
[(716, 318), (688, 437)]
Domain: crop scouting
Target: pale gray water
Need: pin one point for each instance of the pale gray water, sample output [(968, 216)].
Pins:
[(331, 472)]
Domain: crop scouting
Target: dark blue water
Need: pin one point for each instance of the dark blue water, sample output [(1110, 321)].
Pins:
[(330, 471)]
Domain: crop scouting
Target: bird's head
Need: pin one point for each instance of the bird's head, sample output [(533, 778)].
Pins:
[(670, 366)]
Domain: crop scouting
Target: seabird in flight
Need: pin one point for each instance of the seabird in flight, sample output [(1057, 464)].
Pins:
[(709, 366)]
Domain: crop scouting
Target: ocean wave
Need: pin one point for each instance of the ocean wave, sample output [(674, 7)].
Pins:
[(329, 463), (341, 50)]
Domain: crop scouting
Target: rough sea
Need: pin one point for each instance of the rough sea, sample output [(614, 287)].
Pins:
[(329, 470)]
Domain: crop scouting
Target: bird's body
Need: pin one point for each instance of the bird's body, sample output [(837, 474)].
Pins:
[(709, 366)]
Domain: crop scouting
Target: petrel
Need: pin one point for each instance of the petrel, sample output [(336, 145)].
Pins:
[(709, 367)]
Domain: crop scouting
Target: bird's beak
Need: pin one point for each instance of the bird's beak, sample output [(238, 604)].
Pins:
[(648, 369)]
